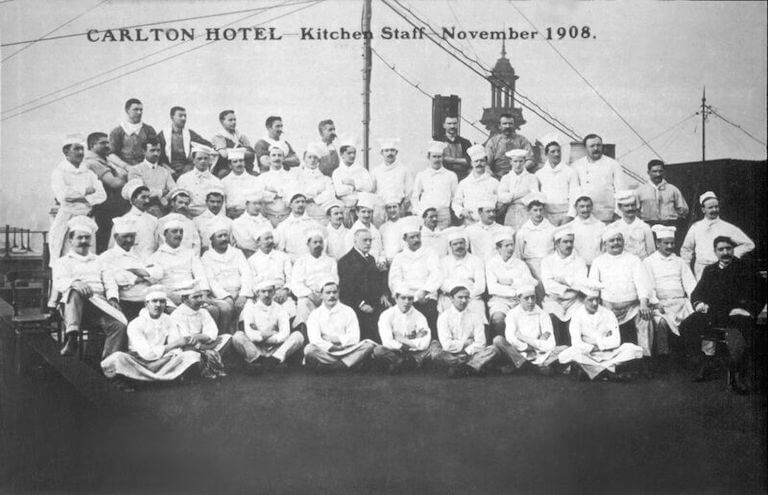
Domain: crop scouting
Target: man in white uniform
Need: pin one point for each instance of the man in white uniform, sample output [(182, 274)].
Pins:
[(238, 184), (145, 242), (391, 180), (336, 242), (291, 233), (266, 338), (638, 238), (334, 334), (405, 336), (214, 203), (534, 239), (245, 227), (432, 236), (365, 205), (559, 183), (480, 234), (180, 200), (697, 245), (268, 263), (391, 237), (587, 229), (200, 179), (462, 268), (435, 187), (476, 188), (309, 271), (417, 268), (600, 176), (88, 290), (349, 180)]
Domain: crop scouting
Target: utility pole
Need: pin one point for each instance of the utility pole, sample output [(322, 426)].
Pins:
[(366, 28), (704, 114)]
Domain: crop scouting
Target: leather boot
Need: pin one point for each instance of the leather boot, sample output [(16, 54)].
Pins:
[(70, 344)]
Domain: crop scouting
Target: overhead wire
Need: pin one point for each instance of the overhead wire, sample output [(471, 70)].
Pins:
[(418, 87), (141, 58), (29, 43), (100, 83), (657, 136), (586, 81), (736, 126)]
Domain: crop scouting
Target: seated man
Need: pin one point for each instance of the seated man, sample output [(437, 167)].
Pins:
[(291, 233), (528, 335), (561, 273), (308, 273), (504, 273), (365, 204), (214, 203), (534, 239), (88, 290), (725, 301), (476, 188), (480, 234), (155, 345), (418, 269), (154, 175), (199, 180), (405, 336), (638, 238), (462, 338), (266, 337), (334, 334), (587, 229), (246, 225), (433, 237), (626, 291), (131, 273), (362, 286), (391, 238), (267, 263), (462, 268), (595, 339), (336, 246), (198, 327), (275, 184), (673, 283), (179, 200), (228, 275), (178, 268)]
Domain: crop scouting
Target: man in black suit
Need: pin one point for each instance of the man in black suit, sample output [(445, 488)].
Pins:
[(362, 286), (726, 300)]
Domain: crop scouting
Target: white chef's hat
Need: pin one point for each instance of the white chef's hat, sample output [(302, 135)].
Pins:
[(504, 234), (455, 233), (82, 223), (610, 232), (332, 204), (130, 188), (155, 292), (236, 154), (436, 147), (526, 289), (266, 228), (549, 138), (317, 149), (535, 197), (389, 144), (71, 139), (405, 290), (194, 289), (179, 190), (312, 233), (216, 225), (173, 223), (123, 225), (581, 194), (487, 203), (626, 197), (264, 284), (516, 153), (561, 232), (254, 197), (707, 195), (392, 199), (590, 288), (201, 148), (347, 140), (409, 225), (366, 200), (663, 231), (325, 280), (477, 152), (215, 189)]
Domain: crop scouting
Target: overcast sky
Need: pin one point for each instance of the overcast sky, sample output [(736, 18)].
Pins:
[(650, 60)]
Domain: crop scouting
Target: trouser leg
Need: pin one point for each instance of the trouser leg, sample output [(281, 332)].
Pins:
[(243, 345), (498, 324), (483, 358), (131, 309), (116, 337), (690, 333), (560, 329), (311, 351), (73, 311), (661, 337), (368, 325), (221, 311), (508, 351), (358, 355), (293, 343), (447, 359), (388, 356), (644, 329)]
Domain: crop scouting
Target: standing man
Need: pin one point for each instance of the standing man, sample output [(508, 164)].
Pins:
[(229, 137), (661, 202), (391, 179), (89, 292), (349, 180), (391, 238), (334, 334), (276, 184), (435, 187), (199, 180), (180, 199), (246, 226), (534, 239), (417, 269), (365, 204), (559, 183), (638, 238), (308, 274), (76, 188), (362, 286), (497, 147), (268, 263), (697, 245), (214, 202), (329, 161), (587, 229), (274, 125), (433, 237), (238, 184), (474, 189), (513, 187), (155, 176), (480, 235), (113, 178), (600, 176), (127, 140), (176, 143), (455, 157)]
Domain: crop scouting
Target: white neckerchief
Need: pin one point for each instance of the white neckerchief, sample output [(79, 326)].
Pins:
[(185, 140), (131, 128)]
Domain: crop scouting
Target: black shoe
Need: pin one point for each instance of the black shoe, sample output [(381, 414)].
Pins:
[(460, 371), (705, 370), (394, 369), (546, 371), (270, 362), (508, 369), (70, 345)]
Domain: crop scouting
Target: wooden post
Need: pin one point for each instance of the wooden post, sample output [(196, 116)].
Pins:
[(366, 28)]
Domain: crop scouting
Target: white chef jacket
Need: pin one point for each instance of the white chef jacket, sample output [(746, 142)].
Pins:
[(601, 179), (394, 325), (416, 270), (339, 321), (272, 318), (244, 229), (346, 193), (392, 181), (460, 331), (88, 269), (480, 238), (433, 188), (514, 268), (588, 235), (118, 261), (308, 272), (228, 273), (199, 184), (638, 237), (179, 268), (623, 276)]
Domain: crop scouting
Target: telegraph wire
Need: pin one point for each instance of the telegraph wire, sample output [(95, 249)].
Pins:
[(737, 126), (312, 4), (657, 136)]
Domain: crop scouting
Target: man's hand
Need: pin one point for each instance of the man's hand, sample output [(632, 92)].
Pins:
[(139, 272), (315, 298), (645, 311), (381, 265), (546, 336), (281, 295), (505, 281), (366, 308), (89, 190), (348, 182), (115, 304), (421, 295), (82, 288), (384, 301), (334, 340), (702, 307)]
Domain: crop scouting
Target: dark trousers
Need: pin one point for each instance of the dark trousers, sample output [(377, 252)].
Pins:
[(738, 333), (131, 309), (80, 313), (428, 307), (369, 324), (560, 329)]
